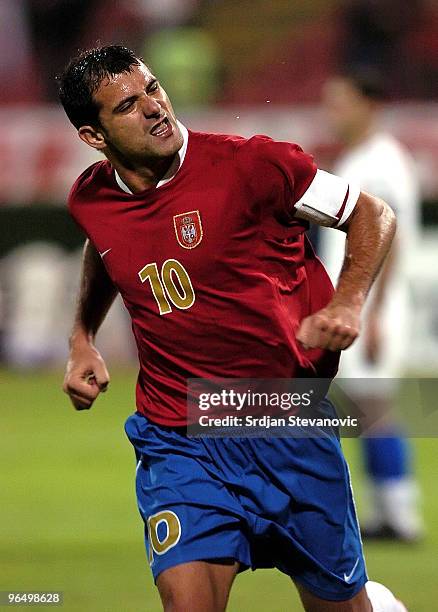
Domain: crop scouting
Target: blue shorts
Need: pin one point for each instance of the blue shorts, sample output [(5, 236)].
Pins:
[(266, 502)]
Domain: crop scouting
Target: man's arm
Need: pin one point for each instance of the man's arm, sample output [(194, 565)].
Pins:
[(370, 230), (86, 374)]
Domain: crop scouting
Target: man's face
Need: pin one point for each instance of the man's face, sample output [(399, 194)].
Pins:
[(137, 118), (346, 109)]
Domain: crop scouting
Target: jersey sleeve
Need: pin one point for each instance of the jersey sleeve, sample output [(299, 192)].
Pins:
[(306, 192), (329, 200)]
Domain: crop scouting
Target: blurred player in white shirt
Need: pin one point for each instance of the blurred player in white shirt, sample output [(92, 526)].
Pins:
[(378, 163)]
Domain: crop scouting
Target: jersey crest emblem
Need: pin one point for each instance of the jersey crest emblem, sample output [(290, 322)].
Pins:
[(188, 229)]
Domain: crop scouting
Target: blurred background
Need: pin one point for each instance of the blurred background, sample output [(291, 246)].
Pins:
[(68, 516)]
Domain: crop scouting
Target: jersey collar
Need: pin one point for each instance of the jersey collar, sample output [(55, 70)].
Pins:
[(173, 168)]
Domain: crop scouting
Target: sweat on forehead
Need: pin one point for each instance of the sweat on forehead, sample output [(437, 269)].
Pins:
[(134, 75)]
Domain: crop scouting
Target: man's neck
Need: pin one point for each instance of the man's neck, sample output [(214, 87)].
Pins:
[(139, 178)]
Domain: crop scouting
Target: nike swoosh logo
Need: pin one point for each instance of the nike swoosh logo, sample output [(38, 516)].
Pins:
[(104, 253), (348, 577)]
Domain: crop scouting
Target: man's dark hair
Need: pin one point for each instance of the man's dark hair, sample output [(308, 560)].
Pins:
[(83, 76)]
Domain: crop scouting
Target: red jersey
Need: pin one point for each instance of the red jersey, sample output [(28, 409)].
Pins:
[(213, 266)]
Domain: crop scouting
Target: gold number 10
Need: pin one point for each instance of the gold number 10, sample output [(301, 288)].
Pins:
[(181, 295)]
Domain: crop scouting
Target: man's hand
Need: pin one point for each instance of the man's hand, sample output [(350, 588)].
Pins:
[(86, 375), (335, 327)]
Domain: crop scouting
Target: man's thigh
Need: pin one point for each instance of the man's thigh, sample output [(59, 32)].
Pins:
[(199, 586), (188, 511), (306, 521)]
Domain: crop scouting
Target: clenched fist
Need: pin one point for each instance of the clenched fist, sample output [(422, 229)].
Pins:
[(335, 327), (86, 375)]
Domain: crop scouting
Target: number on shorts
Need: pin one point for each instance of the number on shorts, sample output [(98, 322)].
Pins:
[(173, 532)]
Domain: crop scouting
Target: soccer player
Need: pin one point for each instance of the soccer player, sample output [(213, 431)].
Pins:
[(204, 237), (378, 162)]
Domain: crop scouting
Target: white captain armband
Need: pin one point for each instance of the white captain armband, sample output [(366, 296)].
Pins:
[(329, 200)]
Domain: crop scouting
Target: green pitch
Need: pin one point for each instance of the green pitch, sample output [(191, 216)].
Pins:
[(68, 517)]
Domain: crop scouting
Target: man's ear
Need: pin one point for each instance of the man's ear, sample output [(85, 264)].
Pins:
[(92, 137)]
